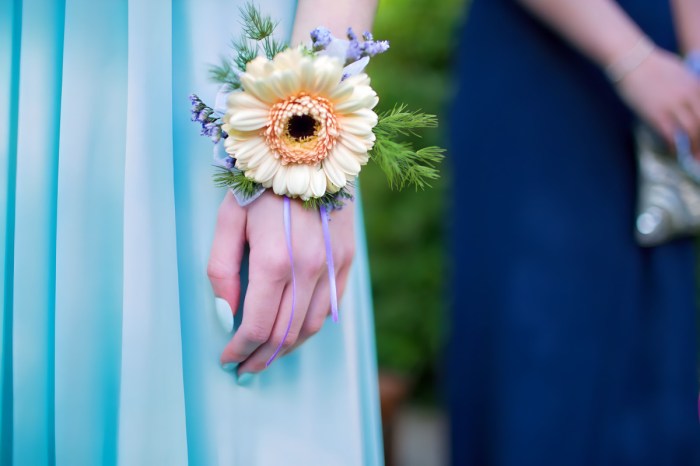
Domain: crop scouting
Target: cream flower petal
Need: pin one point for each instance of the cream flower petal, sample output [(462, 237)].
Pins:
[(239, 99), (249, 119), (298, 179), (306, 73), (279, 182), (242, 149), (341, 93), (287, 59), (335, 174), (285, 83), (264, 172), (353, 143), (362, 97), (346, 160), (254, 157), (359, 123), (258, 88), (259, 66), (328, 75), (318, 182)]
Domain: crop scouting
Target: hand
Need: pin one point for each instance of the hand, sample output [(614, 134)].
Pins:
[(268, 301), (666, 95)]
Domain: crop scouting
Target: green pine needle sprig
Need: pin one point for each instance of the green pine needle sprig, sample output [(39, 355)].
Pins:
[(258, 30), (402, 164), (235, 180), (272, 47), (245, 51), (330, 200), (255, 25), (225, 73)]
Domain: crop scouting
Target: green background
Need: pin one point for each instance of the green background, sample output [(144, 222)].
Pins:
[(405, 230)]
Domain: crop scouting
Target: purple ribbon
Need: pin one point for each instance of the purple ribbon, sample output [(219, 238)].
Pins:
[(329, 262), (288, 238), (325, 216)]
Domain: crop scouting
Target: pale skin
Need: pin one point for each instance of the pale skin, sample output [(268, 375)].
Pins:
[(661, 90), (267, 304)]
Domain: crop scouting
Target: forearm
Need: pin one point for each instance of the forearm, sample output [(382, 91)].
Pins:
[(687, 17), (336, 15), (600, 29)]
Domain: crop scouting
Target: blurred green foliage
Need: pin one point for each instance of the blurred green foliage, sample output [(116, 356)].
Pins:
[(405, 231)]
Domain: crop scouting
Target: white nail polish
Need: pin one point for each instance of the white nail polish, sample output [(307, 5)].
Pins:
[(225, 315)]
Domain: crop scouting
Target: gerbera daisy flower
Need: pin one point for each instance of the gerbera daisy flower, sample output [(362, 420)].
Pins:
[(297, 126)]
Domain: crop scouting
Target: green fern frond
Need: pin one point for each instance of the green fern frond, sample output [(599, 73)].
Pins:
[(255, 25), (402, 164), (400, 121), (329, 200), (237, 181), (244, 52), (225, 73), (272, 47)]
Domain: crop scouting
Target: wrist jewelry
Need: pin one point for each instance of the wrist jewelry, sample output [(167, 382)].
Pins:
[(620, 68)]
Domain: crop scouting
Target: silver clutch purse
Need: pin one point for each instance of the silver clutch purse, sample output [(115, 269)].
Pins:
[(669, 184), (669, 189)]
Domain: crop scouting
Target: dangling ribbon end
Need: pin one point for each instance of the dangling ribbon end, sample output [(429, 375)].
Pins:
[(329, 262)]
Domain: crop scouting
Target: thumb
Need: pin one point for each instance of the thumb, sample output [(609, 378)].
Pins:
[(225, 258)]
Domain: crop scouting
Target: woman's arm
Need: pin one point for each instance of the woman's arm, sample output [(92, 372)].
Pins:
[(655, 85), (687, 16), (598, 28), (336, 15), (268, 301)]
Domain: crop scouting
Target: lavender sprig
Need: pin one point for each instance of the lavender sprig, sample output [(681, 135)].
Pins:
[(204, 115), (367, 48), (321, 38)]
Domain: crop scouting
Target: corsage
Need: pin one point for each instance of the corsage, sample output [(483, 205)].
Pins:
[(301, 122)]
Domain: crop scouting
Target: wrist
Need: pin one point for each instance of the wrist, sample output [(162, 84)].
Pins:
[(625, 63)]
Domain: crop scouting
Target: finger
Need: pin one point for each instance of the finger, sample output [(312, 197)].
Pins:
[(227, 251), (689, 124), (694, 107), (320, 307), (286, 328), (666, 126), (260, 308)]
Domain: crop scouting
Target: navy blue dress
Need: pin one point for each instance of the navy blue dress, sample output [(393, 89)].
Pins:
[(570, 344)]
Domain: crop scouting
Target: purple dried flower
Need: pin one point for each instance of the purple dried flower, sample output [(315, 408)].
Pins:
[(203, 116), (321, 37), (215, 135), (372, 48), (368, 48), (230, 162), (354, 52)]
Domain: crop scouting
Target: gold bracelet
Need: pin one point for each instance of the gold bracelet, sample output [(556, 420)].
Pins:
[(617, 70)]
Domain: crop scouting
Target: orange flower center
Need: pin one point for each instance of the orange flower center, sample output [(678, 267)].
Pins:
[(302, 130)]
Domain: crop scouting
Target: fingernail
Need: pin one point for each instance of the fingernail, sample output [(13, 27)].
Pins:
[(244, 379), (223, 311), (229, 366)]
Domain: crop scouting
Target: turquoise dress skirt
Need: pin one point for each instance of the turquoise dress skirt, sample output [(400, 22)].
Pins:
[(110, 343)]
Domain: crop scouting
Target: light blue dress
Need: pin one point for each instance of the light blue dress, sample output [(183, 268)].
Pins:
[(110, 342)]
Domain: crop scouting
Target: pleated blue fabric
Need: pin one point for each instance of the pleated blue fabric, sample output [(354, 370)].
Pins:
[(110, 341)]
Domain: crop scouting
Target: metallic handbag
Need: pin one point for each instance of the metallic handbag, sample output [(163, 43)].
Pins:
[(668, 204), (669, 189)]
